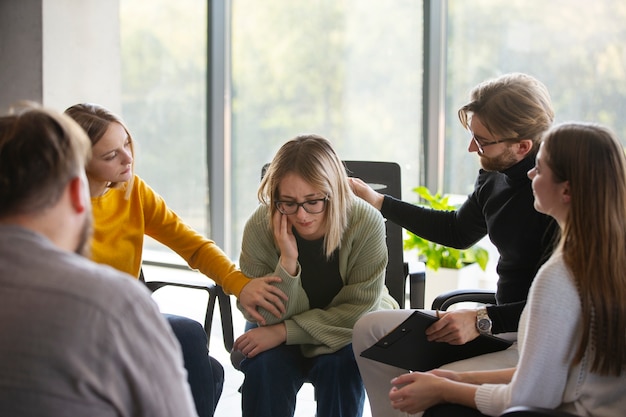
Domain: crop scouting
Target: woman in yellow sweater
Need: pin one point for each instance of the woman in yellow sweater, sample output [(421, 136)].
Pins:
[(125, 209)]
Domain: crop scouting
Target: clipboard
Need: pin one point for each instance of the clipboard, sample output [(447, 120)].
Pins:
[(406, 346)]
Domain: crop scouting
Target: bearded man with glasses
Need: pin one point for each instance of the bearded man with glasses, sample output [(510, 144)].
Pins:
[(506, 118)]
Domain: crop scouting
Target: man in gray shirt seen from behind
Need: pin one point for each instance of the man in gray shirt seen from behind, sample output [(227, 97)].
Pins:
[(76, 338)]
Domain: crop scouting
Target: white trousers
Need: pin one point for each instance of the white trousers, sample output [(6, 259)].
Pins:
[(377, 376)]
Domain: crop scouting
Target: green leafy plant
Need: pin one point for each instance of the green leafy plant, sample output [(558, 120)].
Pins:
[(438, 256)]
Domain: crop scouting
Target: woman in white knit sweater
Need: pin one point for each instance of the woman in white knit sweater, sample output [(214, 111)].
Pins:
[(572, 334)]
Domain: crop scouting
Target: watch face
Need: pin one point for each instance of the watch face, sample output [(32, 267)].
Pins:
[(484, 325)]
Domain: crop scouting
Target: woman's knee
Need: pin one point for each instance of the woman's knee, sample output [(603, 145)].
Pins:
[(190, 333), (272, 361), (337, 366)]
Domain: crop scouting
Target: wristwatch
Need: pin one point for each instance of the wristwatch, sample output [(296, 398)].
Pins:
[(483, 322)]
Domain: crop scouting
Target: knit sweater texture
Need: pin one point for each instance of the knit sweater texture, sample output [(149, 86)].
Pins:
[(120, 225), (549, 333), (362, 262)]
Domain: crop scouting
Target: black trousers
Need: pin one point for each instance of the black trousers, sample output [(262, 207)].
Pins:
[(452, 410)]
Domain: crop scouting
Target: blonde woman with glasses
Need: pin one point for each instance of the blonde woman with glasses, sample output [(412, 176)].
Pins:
[(328, 247)]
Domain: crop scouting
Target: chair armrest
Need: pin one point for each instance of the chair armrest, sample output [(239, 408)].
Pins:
[(417, 289), (445, 300), (226, 316), (523, 411), (215, 294), (155, 285)]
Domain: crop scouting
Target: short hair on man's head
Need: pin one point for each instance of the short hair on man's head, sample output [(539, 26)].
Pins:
[(313, 158), (40, 152), (95, 120), (511, 106)]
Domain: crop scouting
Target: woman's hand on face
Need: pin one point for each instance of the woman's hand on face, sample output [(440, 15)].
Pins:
[(260, 293), (367, 193), (286, 242), (260, 339)]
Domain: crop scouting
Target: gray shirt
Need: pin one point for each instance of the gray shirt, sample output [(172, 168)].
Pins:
[(81, 339)]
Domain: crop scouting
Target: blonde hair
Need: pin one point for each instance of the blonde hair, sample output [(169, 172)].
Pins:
[(511, 106), (95, 120), (593, 240), (312, 158)]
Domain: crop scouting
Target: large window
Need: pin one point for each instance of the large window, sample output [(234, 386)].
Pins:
[(350, 70), (164, 71), (575, 47)]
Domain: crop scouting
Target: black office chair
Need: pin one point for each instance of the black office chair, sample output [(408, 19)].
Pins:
[(216, 296), (385, 177), (523, 411)]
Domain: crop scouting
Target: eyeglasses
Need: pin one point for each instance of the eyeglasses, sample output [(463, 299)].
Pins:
[(310, 206), (481, 146)]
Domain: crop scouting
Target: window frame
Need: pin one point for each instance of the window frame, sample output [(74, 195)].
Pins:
[(219, 111)]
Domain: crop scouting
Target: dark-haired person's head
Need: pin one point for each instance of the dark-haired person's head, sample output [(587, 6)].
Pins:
[(42, 174)]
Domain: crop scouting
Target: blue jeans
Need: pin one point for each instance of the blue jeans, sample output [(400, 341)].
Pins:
[(274, 377), (204, 373)]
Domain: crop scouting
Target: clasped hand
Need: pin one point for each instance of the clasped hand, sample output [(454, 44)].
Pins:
[(418, 391)]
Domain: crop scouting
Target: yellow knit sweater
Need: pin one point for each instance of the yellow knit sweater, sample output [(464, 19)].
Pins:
[(120, 226)]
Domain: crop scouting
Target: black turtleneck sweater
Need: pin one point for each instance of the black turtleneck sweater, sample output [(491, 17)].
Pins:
[(501, 206)]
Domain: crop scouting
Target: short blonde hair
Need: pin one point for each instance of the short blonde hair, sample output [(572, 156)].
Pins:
[(312, 158)]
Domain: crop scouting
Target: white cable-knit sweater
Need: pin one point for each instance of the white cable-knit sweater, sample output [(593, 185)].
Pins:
[(549, 331)]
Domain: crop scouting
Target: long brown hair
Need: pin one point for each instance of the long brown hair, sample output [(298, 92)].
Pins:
[(593, 239)]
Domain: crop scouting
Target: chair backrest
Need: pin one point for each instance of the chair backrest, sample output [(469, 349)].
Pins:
[(384, 177)]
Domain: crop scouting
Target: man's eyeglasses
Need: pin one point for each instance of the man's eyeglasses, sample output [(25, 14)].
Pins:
[(310, 206), (483, 145)]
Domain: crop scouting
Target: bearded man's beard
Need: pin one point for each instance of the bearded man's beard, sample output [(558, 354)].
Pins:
[(499, 163)]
